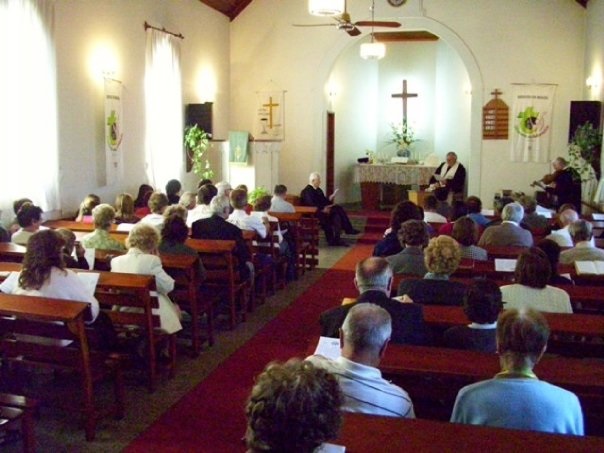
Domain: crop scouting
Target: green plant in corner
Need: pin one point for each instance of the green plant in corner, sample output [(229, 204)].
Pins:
[(197, 142), (255, 194)]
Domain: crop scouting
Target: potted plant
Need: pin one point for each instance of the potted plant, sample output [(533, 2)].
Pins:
[(255, 194), (403, 137), (197, 142)]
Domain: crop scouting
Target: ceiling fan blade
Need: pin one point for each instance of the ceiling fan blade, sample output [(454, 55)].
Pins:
[(370, 23), (314, 25), (354, 31)]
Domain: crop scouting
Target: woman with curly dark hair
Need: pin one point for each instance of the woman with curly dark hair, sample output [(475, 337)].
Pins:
[(294, 407)]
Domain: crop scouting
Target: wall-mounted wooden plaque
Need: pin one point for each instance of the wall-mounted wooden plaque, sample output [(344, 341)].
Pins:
[(495, 119)]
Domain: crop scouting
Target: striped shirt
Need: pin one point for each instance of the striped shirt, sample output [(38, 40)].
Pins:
[(364, 389)]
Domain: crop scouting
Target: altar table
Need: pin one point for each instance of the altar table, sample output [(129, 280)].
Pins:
[(372, 176)]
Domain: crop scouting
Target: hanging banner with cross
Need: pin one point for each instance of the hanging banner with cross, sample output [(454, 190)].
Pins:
[(532, 114), (269, 124), (113, 131)]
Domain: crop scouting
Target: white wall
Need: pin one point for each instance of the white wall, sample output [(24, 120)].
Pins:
[(500, 43), (594, 53), (83, 28)]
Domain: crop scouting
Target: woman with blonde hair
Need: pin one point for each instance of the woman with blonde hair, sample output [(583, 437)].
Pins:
[(124, 209), (143, 258), (442, 257), (100, 238), (86, 207)]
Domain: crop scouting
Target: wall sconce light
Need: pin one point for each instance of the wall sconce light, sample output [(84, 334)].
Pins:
[(326, 7), (593, 82)]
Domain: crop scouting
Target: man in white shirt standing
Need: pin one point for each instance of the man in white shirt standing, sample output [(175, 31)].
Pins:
[(278, 203), (242, 219), (364, 337)]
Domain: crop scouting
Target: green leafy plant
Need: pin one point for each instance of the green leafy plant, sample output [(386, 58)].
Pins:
[(197, 142), (584, 152), (255, 194)]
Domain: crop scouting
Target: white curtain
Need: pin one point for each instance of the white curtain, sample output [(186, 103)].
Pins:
[(163, 108), (28, 103)]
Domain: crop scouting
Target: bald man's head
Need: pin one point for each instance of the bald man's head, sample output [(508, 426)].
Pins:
[(568, 216)]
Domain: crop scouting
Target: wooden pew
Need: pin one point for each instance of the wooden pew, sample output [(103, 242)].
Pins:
[(57, 319), (129, 291), (184, 269), (368, 433), (22, 409), (291, 222), (222, 275), (584, 299), (564, 327), (433, 376), (10, 252), (74, 226)]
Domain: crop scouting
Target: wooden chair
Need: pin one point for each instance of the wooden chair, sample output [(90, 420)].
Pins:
[(222, 276), (308, 231), (128, 301), (290, 222), (53, 319), (19, 409), (270, 246), (184, 269)]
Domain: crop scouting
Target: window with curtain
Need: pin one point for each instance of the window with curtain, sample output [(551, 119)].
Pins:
[(28, 104), (163, 109)]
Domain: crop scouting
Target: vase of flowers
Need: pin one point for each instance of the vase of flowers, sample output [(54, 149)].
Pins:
[(403, 137)]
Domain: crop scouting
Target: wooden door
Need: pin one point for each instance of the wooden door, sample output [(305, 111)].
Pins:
[(330, 151)]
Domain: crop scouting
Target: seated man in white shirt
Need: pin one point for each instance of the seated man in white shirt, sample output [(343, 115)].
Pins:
[(278, 203), (158, 202), (562, 236), (202, 211), (242, 219), (581, 233), (364, 337), (430, 213)]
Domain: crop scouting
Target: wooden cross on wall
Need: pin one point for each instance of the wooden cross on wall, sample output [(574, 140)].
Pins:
[(404, 95), (270, 106)]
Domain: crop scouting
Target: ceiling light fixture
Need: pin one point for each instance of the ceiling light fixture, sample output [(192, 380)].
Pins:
[(373, 50), (326, 7)]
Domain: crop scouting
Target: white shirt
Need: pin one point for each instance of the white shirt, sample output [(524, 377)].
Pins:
[(138, 262), (278, 204), (64, 284), (563, 239), (434, 217), (364, 389), (548, 299), (156, 220), (241, 219), (277, 233), (201, 211)]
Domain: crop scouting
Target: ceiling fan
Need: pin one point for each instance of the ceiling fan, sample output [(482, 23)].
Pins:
[(343, 22)]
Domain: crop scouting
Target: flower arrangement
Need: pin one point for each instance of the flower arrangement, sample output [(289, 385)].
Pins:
[(584, 152), (402, 134), (197, 142)]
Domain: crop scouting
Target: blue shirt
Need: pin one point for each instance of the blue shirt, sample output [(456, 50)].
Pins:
[(519, 403)]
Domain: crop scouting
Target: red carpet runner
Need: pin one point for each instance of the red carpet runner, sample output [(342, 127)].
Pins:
[(210, 418)]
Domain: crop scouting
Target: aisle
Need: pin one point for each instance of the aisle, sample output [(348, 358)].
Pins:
[(211, 416)]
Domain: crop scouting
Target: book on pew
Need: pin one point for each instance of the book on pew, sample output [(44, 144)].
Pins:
[(125, 227), (505, 264), (10, 283), (89, 256), (90, 280), (328, 347), (589, 267), (330, 448), (597, 216)]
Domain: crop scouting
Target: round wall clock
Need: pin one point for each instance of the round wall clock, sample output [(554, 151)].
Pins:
[(397, 2)]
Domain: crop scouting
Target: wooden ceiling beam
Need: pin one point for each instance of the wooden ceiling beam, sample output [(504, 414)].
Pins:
[(404, 36), (230, 8)]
